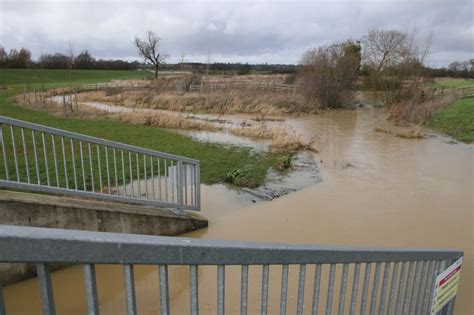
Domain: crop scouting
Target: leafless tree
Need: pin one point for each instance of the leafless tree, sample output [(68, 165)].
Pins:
[(149, 50), (394, 62), (71, 59), (384, 48)]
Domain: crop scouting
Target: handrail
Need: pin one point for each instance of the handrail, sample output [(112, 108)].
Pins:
[(59, 245), (45, 159), (402, 282)]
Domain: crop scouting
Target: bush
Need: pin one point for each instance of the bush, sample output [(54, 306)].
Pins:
[(328, 73)]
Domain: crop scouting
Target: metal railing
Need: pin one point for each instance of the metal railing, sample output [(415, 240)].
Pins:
[(369, 280), (43, 159)]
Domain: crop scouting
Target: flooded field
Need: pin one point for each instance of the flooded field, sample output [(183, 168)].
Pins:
[(376, 190)]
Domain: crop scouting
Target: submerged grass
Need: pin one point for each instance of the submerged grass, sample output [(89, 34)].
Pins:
[(216, 160), (456, 120)]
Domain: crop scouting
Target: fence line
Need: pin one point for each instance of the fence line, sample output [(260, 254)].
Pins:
[(49, 160), (401, 280), (244, 84)]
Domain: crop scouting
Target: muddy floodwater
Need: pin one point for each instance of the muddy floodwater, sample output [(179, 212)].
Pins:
[(376, 190)]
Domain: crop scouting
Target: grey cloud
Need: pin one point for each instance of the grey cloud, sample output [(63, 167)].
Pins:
[(242, 31)]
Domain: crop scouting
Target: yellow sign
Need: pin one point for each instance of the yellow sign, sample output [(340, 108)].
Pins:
[(446, 286)]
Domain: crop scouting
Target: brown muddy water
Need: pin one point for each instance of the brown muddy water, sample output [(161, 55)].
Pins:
[(377, 190)]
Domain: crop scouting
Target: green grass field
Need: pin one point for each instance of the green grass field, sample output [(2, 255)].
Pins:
[(55, 78), (216, 160), (456, 120), (451, 84)]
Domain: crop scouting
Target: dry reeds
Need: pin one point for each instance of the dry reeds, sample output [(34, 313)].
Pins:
[(416, 111)]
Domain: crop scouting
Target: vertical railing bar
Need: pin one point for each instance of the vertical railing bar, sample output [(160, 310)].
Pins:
[(25, 152), (46, 289), (301, 284), (152, 178), (130, 289), (166, 181), (383, 293), (115, 172), (73, 157), (194, 291), (421, 288), (375, 287), (365, 290), (164, 295), (4, 151), (145, 176), (316, 289), (46, 165), (416, 285), (192, 184), (355, 288), (198, 186), (107, 168), (173, 179), (55, 159), (138, 177), (123, 174), (265, 280), (244, 277), (401, 287), (284, 289), (2, 302), (185, 180), (409, 287), (64, 163), (91, 289), (81, 151), (220, 289), (91, 166), (17, 170), (99, 165), (342, 291), (35, 152), (131, 173), (393, 285), (429, 286), (332, 276), (159, 179)]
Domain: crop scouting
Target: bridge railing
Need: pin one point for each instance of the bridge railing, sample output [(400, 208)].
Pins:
[(48, 160), (368, 280)]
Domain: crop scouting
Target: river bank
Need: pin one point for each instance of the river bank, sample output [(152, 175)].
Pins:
[(377, 190)]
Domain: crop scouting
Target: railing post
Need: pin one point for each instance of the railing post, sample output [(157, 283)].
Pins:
[(198, 186), (179, 180)]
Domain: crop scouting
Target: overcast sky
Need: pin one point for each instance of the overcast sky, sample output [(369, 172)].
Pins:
[(232, 31)]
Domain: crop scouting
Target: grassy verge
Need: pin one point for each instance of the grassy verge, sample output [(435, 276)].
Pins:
[(456, 120), (216, 160), (450, 84)]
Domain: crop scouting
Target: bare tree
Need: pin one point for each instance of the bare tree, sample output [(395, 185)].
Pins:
[(149, 50), (394, 62), (384, 48), (71, 59)]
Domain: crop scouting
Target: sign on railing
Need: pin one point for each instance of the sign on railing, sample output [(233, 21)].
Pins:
[(42, 159)]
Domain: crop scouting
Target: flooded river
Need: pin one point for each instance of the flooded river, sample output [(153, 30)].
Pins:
[(377, 190)]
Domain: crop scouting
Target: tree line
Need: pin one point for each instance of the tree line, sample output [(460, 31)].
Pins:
[(22, 59)]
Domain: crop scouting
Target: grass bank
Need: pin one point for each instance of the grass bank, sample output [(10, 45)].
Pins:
[(216, 160), (456, 120), (450, 84)]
